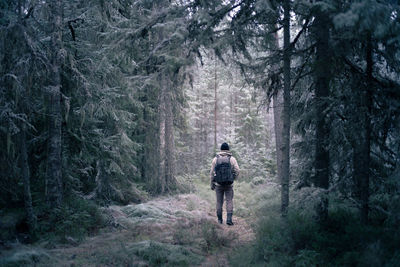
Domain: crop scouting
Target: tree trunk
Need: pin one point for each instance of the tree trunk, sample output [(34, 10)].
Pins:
[(278, 127), (169, 138), (167, 182), (278, 108), (31, 218), (102, 182), (215, 103), (322, 72), (53, 175), (162, 114), (362, 151), (285, 148)]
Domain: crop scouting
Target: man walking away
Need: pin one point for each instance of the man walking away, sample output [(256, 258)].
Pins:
[(224, 171)]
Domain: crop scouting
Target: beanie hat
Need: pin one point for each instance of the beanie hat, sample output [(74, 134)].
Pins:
[(224, 146)]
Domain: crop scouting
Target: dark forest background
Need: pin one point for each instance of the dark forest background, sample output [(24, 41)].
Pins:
[(116, 102)]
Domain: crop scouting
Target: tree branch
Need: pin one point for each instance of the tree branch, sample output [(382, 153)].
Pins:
[(385, 83), (305, 25)]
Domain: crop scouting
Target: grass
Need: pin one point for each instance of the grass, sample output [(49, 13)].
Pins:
[(142, 253), (167, 231), (178, 231), (162, 254), (75, 220), (27, 257), (300, 240), (214, 238)]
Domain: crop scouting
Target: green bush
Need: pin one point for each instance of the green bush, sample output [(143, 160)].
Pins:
[(161, 254), (244, 256), (257, 180), (299, 240), (273, 239), (26, 257), (184, 183), (302, 230), (214, 237), (185, 234), (74, 220)]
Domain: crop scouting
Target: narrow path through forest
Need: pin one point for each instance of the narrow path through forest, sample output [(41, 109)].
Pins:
[(184, 221), (178, 230), (244, 235)]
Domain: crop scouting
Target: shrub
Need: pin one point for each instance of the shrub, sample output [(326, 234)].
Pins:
[(273, 239), (162, 254), (299, 240), (302, 229), (185, 234), (72, 222), (28, 257), (215, 238), (184, 183), (257, 180), (191, 205)]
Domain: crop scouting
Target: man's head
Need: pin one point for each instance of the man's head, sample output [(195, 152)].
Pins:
[(224, 146)]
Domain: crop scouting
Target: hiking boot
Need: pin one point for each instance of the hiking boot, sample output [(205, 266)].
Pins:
[(229, 219), (219, 215)]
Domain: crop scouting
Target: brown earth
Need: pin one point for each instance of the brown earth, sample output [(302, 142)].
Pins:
[(244, 235), (182, 222)]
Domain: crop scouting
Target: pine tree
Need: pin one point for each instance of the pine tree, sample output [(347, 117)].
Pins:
[(286, 109), (322, 75), (54, 174)]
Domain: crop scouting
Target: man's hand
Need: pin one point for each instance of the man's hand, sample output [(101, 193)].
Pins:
[(212, 185)]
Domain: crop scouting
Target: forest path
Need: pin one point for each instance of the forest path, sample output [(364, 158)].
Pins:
[(243, 234), (178, 230), (187, 222)]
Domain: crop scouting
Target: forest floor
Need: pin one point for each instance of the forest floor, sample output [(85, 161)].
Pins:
[(178, 230)]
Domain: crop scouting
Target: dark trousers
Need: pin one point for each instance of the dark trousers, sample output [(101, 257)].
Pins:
[(220, 191)]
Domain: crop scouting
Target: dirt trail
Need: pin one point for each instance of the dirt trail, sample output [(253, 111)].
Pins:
[(167, 231), (243, 233)]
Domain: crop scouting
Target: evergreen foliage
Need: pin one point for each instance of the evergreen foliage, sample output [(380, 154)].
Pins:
[(112, 57), (240, 120), (110, 102)]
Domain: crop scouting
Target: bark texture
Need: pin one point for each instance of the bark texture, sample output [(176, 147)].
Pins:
[(166, 180), (162, 110), (362, 147), (215, 103), (26, 178), (278, 108), (53, 175), (169, 140), (322, 72), (285, 148)]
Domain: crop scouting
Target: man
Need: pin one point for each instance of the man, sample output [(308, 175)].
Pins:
[(224, 171)]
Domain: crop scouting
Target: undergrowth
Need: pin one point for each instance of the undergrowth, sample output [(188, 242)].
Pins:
[(299, 240), (70, 223)]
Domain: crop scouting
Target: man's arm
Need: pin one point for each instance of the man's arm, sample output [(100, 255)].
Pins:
[(212, 173), (236, 169)]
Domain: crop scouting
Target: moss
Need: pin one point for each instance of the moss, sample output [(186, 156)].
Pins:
[(184, 184), (162, 254), (191, 205), (257, 180), (76, 219), (146, 212), (9, 220), (25, 258), (215, 238)]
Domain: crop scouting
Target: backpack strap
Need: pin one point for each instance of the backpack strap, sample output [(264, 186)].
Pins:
[(216, 162)]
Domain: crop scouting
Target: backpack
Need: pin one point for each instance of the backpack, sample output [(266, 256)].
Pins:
[(223, 171)]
